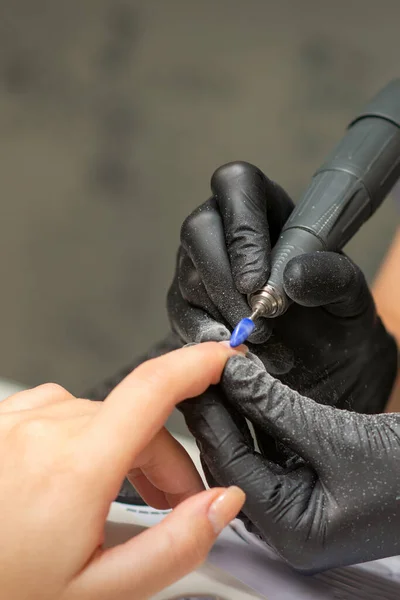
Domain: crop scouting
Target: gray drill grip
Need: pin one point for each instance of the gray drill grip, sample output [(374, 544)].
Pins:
[(356, 177), (345, 191)]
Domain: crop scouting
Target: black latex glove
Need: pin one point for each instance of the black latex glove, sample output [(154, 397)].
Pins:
[(340, 504), (330, 345)]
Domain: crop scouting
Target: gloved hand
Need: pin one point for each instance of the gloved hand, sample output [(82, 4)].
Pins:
[(338, 505), (330, 345)]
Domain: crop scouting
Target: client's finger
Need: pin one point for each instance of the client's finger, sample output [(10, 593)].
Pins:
[(42, 395), (164, 474), (164, 553), (139, 406)]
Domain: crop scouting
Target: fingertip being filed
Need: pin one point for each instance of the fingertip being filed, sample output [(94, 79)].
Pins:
[(210, 359)]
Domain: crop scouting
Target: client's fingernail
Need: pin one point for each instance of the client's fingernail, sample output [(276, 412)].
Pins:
[(225, 508), (242, 349), (225, 343), (189, 344)]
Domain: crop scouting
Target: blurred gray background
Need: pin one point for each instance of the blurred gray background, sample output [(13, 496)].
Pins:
[(113, 116)]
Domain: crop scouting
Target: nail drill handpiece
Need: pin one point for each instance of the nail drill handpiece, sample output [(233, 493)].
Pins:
[(343, 194)]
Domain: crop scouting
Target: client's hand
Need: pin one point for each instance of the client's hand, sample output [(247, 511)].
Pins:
[(63, 461)]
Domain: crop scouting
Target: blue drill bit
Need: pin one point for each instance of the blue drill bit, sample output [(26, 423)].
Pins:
[(241, 332)]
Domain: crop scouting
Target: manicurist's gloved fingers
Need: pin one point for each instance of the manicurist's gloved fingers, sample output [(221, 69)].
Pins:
[(253, 211), (192, 287), (230, 458), (192, 324), (192, 412), (203, 238), (300, 423), (328, 279)]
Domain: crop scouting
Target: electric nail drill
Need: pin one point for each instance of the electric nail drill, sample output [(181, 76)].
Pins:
[(343, 194)]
